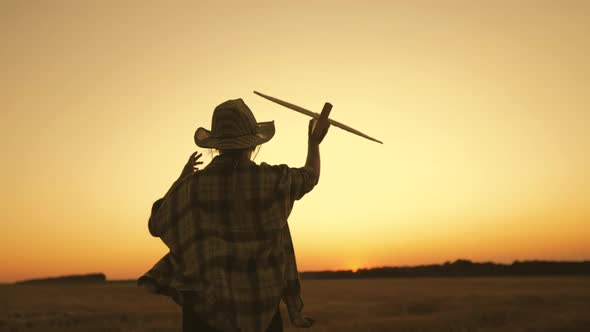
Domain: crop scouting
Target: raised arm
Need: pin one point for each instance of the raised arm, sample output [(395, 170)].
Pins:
[(316, 133)]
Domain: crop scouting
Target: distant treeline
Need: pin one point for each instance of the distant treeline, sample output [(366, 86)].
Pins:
[(72, 279), (458, 268), (461, 268)]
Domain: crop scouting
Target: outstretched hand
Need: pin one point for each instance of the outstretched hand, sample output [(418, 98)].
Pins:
[(191, 164)]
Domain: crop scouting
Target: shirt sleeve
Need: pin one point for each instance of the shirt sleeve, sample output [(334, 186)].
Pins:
[(151, 221), (302, 181), (155, 221), (295, 181)]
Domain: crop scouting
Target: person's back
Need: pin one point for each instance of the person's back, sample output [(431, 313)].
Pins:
[(231, 257)]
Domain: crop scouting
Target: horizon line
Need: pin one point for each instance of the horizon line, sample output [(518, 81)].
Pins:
[(448, 262)]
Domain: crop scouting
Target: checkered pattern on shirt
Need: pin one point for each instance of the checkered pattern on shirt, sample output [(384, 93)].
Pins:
[(231, 255)]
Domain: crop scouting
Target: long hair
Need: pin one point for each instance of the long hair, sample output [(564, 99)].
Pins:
[(238, 153)]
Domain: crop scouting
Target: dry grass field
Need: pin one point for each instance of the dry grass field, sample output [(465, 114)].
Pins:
[(461, 304)]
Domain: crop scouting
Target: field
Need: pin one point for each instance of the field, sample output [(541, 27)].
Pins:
[(461, 304)]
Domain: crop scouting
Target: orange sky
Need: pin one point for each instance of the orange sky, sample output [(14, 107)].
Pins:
[(484, 111)]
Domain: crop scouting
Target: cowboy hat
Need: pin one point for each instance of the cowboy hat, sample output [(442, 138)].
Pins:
[(234, 127)]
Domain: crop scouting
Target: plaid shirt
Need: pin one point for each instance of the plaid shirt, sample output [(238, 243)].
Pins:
[(231, 254)]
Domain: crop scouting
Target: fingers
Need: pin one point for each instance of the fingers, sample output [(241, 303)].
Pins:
[(312, 124), (192, 157), (192, 163), (195, 156), (196, 161)]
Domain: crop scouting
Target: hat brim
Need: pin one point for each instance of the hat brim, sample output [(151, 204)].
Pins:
[(264, 132)]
